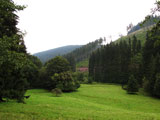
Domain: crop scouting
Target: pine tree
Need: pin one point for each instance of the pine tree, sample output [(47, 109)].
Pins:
[(134, 44), (132, 86)]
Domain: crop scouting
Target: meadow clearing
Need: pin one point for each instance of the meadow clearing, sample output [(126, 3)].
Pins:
[(89, 102)]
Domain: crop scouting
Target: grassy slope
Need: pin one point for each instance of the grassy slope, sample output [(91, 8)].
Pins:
[(91, 102), (140, 34), (83, 63)]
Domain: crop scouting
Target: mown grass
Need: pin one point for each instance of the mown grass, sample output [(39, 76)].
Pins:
[(90, 102)]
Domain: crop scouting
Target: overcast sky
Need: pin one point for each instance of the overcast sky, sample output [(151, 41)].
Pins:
[(54, 23)]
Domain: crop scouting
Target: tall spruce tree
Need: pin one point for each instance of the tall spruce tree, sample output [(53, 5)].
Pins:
[(13, 59), (132, 86)]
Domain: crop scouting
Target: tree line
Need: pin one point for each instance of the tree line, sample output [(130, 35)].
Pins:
[(82, 53), (129, 61)]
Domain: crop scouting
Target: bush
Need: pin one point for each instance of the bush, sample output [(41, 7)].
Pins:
[(82, 77), (13, 78), (64, 81), (90, 80), (57, 65), (56, 91), (132, 86)]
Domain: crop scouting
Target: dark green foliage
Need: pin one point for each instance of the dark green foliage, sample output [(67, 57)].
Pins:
[(132, 86), (64, 81), (135, 67), (56, 91), (44, 79), (157, 85), (13, 78), (113, 63), (82, 53), (72, 62), (35, 60), (90, 80), (151, 59), (82, 77), (57, 75), (57, 65), (13, 56), (32, 74), (8, 18), (33, 70), (134, 44), (146, 85)]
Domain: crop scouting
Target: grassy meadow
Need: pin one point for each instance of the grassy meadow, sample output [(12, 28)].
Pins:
[(90, 102)]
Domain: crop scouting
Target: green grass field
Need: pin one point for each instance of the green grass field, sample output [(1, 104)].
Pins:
[(90, 102)]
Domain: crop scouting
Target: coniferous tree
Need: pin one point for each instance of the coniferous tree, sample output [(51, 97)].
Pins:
[(134, 45), (132, 86), (13, 56)]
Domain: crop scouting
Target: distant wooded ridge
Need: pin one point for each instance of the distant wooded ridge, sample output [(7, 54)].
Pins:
[(49, 54)]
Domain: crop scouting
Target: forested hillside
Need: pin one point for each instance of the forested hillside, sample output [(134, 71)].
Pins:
[(153, 20), (49, 54), (129, 63), (83, 52)]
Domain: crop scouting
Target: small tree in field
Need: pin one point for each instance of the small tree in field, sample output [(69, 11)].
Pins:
[(57, 91), (64, 81), (57, 65), (132, 86)]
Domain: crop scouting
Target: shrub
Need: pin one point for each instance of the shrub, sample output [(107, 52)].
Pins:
[(132, 86), (64, 81), (56, 91), (57, 65), (90, 80)]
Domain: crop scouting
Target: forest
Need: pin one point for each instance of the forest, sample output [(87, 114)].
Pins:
[(122, 81)]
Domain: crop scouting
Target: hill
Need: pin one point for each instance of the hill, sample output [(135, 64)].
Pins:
[(90, 102), (84, 52), (140, 35), (152, 21), (49, 54)]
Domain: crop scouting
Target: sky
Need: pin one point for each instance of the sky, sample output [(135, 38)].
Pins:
[(54, 23)]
